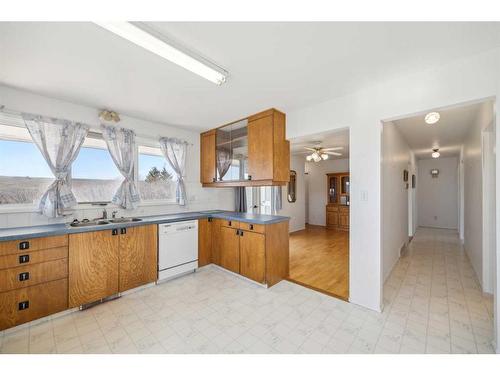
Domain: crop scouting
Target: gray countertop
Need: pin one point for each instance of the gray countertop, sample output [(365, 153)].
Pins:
[(9, 234)]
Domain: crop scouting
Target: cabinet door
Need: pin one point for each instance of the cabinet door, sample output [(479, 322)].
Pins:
[(93, 266), (344, 219), (253, 256), (332, 218), (260, 148), (230, 249), (207, 157), (216, 240), (205, 238), (138, 256)]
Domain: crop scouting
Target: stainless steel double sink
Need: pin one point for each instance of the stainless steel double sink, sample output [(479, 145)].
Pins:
[(97, 222)]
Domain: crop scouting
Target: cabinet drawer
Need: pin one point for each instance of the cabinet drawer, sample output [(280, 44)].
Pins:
[(34, 257), (24, 276), (344, 209), (32, 244), (230, 223), (26, 304), (257, 228), (332, 208)]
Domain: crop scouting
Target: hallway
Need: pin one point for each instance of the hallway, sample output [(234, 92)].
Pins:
[(434, 294)]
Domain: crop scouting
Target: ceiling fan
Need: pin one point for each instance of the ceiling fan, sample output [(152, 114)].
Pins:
[(321, 153)]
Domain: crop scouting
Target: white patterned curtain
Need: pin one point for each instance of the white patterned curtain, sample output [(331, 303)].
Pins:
[(59, 141), (121, 146), (174, 151)]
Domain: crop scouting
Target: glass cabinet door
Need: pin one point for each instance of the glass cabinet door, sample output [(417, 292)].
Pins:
[(232, 152), (344, 182), (332, 189)]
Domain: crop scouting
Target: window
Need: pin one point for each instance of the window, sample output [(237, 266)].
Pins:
[(156, 177), (95, 177), (24, 174)]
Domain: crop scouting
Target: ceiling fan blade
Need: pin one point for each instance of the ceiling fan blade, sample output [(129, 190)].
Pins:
[(332, 153), (332, 148), (310, 149)]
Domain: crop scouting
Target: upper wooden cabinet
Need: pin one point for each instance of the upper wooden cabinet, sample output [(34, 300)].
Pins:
[(249, 152)]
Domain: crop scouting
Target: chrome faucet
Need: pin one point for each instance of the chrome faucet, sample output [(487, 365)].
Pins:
[(113, 214)]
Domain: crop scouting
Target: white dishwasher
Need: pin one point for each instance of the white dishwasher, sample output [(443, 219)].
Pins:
[(177, 248)]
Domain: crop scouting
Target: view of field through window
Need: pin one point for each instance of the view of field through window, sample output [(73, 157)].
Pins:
[(24, 175)]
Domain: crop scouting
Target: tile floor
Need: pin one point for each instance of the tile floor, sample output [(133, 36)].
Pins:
[(433, 304)]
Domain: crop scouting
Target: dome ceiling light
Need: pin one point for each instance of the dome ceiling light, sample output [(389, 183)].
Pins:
[(435, 154), (432, 117)]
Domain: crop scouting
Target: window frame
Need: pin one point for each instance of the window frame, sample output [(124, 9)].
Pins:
[(93, 134)]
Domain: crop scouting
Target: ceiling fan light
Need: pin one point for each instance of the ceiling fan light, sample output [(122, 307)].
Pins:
[(316, 157), (309, 157), (324, 156)]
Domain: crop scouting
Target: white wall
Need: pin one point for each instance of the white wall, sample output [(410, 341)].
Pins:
[(296, 210), (396, 157), (473, 198), (317, 187), (437, 198), (459, 81), (198, 198)]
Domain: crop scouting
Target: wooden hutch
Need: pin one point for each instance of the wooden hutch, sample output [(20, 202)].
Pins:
[(337, 207)]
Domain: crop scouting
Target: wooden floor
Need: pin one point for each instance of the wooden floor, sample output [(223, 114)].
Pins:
[(319, 258)]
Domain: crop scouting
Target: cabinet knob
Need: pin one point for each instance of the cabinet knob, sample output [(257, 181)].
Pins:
[(123, 230), (24, 258), (23, 305), (241, 233), (23, 276), (229, 223), (114, 232), (209, 219), (24, 245), (214, 179), (249, 177), (251, 226)]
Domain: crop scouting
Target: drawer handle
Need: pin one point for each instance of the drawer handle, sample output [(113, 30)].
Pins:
[(229, 223), (114, 232), (24, 258), (25, 245), (123, 230), (251, 226), (237, 232), (209, 219), (241, 233), (24, 305), (23, 276), (249, 178)]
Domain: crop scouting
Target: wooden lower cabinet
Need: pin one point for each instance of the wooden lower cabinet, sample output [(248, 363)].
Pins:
[(257, 251), (93, 266), (107, 262), (253, 256), (23, 305), (229, 248), (138, 257), (205, 239)]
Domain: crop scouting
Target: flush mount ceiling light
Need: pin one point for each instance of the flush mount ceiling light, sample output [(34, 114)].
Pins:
[(435, 153), (432, 117), (163, 49)]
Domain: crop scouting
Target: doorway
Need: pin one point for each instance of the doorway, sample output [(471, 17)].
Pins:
[(320, 220), (438, 182)]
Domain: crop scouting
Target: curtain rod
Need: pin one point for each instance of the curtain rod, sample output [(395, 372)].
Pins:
[(147, 136)]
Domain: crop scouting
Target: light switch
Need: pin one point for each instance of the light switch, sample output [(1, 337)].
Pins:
[(364, 195)]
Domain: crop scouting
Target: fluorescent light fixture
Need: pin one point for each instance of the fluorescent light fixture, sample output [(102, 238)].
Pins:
[(435, 153), (432, 118), (163, 49)]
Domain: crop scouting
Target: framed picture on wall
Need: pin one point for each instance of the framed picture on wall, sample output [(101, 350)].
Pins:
[(413, 181), (405, 175)]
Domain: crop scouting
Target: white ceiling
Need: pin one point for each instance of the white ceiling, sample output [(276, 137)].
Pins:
[(447, 134), (338, 138), (282, 65)]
